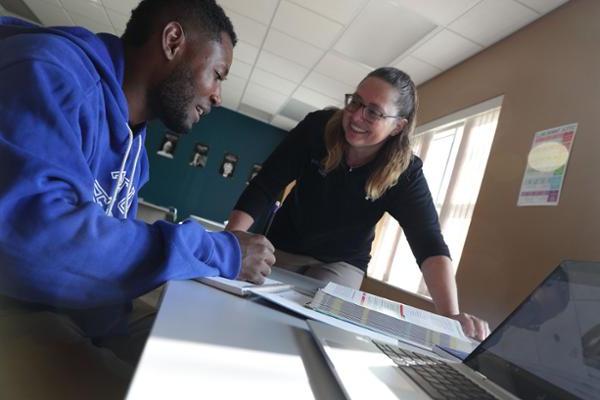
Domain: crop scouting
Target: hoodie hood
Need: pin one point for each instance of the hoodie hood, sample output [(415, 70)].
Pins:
[(102, 58), (103, 49)]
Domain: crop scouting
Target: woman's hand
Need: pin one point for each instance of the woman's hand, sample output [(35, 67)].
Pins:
[(472, 326)]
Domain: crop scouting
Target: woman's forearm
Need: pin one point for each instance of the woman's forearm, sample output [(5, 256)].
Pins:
[(239, 221), (438, 273)]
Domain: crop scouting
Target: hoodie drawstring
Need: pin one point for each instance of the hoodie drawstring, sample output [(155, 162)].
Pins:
[(135, 163), (121, 176)]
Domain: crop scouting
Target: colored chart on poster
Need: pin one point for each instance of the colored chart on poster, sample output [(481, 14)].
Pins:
[(546, 166)]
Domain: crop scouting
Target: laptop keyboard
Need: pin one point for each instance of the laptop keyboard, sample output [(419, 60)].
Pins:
[(437, 378)]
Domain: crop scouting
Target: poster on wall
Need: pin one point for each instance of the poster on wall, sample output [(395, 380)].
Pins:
[(253, 172), (228, 165), (200, 156), (546, 166), (168, 145)]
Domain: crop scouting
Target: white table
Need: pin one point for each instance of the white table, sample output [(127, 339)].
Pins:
[(209, 344)]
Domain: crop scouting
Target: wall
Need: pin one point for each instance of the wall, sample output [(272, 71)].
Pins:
[(549, 74), (203, 191)]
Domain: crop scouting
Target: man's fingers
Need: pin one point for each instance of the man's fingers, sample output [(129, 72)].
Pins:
[(270, 259), (253, 276), (257, 256), (265, 242), (266, 271), (270, 246)]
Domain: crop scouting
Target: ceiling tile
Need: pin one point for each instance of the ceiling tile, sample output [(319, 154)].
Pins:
[(119, 21), (91, 24), (342, 69), (442, 12), (403, 29), (338, 10), (231, 99), (315, 99), (446, 49), (245, 52), (327, 86), (55, 3), (255, 113), (492, 20), (281, 67), (306, 25), (273, 82), (543, 6), (233, 83), (418, 70), (240, 69), (296, 110), (17, 8), (259, 10), (293, 49), (249, 30), (88, 9), (231, 91), (284, 123), (49, 13), (121, 6), (263, 98)]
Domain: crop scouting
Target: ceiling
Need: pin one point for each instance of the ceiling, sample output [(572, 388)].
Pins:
[(295, 56)]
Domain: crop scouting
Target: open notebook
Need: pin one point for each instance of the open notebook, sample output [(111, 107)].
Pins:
[(243, 288)]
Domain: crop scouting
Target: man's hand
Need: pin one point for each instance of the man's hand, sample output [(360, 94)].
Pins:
[(257, 257), (473, 326)]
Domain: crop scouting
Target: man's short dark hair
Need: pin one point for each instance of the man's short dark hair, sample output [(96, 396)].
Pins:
[(204, 16)]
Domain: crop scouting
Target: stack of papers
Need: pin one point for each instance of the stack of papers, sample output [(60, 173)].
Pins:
[(404, 322)]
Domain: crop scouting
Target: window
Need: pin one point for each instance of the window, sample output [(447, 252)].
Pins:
[(454, 151)]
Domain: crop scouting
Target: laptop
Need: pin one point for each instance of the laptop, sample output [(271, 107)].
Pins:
[(547, 348)]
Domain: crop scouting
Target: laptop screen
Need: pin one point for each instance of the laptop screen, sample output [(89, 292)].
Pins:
[(549, 347)]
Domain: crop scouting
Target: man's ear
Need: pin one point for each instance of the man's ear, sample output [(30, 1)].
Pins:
[(173, 40), (399, 126)]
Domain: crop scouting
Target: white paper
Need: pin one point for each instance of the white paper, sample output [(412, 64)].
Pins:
[(296, 302), (398, 310), (242, 287)]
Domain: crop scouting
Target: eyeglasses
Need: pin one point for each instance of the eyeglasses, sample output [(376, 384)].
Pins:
[(369, 113)]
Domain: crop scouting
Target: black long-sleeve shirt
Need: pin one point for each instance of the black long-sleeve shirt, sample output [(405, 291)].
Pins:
[(327, 216)]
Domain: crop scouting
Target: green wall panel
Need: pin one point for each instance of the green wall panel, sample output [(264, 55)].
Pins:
[(203, 191)]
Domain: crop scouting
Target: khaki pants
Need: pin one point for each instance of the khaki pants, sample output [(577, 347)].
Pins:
[(45, 355), (338, 272)]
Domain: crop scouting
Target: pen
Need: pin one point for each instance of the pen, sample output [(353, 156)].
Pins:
[(271, 218)]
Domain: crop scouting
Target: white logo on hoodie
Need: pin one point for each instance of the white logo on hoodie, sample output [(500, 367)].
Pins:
[(106, 201), (102, 197)]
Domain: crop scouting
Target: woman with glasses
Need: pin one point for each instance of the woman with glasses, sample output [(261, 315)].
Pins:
[(350, 166)]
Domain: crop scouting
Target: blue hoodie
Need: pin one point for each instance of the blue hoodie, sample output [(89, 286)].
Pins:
[(70, 167)]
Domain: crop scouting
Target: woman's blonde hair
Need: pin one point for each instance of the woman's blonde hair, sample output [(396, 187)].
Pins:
[(394, 156)]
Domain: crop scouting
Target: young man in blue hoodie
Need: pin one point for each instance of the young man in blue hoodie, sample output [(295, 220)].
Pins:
[(73, 109)]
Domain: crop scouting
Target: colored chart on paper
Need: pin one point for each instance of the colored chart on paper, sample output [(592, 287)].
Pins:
[(546, 166)]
